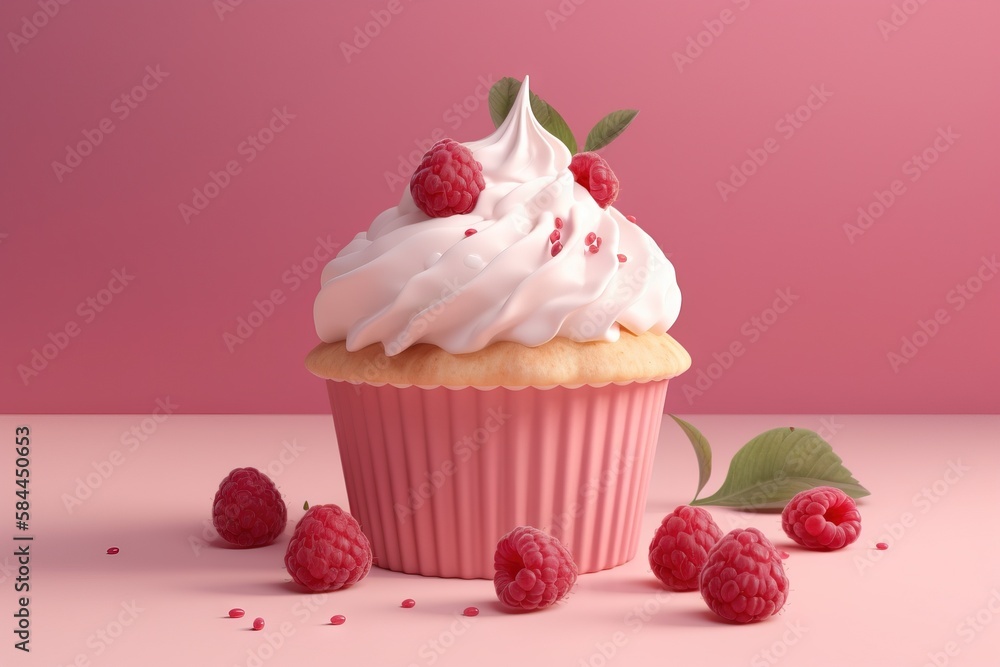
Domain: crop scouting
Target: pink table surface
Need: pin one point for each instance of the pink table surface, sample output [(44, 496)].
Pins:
[(932, 598)]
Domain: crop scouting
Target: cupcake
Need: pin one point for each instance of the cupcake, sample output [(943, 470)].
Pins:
[(496, 355)]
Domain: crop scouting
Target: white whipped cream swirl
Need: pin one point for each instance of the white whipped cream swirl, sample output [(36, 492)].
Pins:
[(413, 279)]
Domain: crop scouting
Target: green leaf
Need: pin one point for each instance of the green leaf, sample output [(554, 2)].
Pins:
[(702, 451), (501, 100), (777, 464), (608, 128), (305, 505), (556, 126)]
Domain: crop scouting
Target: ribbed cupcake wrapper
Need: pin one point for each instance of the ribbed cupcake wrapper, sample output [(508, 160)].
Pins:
[(437, 476)]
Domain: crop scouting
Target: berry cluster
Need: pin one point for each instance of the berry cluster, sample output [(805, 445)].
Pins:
[(740, 575)]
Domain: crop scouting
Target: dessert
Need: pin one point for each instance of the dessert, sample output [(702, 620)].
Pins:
[(496, 355)]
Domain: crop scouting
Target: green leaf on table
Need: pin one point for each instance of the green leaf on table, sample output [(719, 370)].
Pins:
[(777, 464), (608, 128), (501, 100), (702, 451)]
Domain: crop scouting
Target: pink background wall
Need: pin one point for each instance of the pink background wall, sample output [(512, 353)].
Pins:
[(892, 92)]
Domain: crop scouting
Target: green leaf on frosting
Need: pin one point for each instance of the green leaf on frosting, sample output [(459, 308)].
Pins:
[(558, 128), (501, 100), (702, 452), (777, 464), (608, 128)]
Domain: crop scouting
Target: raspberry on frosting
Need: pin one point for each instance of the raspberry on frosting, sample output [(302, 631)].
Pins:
[(594, 173), (447, 181), (533, 569), (743, 579), (823, 518), (248, 510), (680, 547), (328, 551)]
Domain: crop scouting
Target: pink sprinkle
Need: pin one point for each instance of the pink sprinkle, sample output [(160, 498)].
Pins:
[(258, 623), (338, 619), (881, 546), (783, 554), (598, 241), (593, 248), (559, 223), (236, 613), (554, 236), (591, 237), (556, 247), (113, 550), (471, 611), (622, 258), (630, 218), (409, 603), (470, 232)]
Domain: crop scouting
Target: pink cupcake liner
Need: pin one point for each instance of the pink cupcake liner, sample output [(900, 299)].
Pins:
[(437, 476)]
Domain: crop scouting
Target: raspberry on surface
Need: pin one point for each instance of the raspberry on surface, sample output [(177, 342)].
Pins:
[(328, 551), (680, 547), (533, 569), (594, 173), (824, 518), (248, 510), (743, 580), (447, 181)]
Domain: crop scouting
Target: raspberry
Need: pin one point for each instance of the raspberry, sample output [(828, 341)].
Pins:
[(593, 172), (447, 181), (743, 579), (328, 551), (248, 510), (680, 547), (823, 518), (533, 570)]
